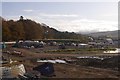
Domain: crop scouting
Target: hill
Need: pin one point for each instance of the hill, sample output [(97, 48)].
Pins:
[(0, 28), (26, 29), (112, 34)]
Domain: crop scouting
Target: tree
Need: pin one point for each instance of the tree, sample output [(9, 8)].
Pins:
[(6, 34), (21, 18)]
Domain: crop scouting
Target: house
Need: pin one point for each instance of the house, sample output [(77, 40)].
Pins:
[(53, 43), (116, 43), (73, 44), (109, 41), (61, 46), (29, 44), (96, 44)]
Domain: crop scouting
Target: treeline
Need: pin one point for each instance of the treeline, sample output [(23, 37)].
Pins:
[(28, 30)]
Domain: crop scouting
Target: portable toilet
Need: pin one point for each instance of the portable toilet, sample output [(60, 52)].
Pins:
[(0, 45), (3, 45)]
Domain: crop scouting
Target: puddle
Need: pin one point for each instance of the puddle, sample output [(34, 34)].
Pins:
[(116, 51), (53, 61), (91, 57)]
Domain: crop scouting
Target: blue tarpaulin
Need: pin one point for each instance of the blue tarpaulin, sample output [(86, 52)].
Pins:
[(46, 69)]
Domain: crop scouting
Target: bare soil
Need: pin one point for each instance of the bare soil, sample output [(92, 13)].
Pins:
[(68, 70)]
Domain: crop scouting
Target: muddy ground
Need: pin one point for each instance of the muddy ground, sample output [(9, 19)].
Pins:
[(74, 68)]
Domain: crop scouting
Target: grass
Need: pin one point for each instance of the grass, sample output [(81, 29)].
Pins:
[(82, 50)]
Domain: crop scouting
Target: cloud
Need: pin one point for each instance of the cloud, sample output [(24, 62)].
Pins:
[(28, 10), (58, 15), (83, 25), (108, 17)]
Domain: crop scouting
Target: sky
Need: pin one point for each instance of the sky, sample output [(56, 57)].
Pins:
[(66, 16), (59, 0)]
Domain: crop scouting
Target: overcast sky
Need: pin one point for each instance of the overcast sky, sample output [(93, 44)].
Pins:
[(66, 16)]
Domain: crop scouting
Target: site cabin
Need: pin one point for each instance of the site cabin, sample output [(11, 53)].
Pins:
[(82, 45), (16, 44)]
